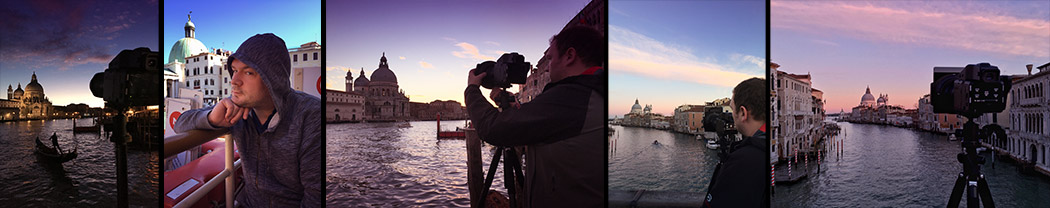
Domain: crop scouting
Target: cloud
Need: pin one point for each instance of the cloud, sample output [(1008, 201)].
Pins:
[(401, 57), (336, 76), (425, 65), (946, 26), (825, 42), (468, 50), (749, 59), (638, 54), (492, 43)]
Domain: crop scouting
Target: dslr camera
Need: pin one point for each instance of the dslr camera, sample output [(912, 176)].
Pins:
[(510, 68), (132, 79), (971, 91)]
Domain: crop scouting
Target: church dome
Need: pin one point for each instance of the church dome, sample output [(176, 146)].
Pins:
[(383, 73), (18, 92), (361, 81), (187, 46), (867, 96), (34, 87)]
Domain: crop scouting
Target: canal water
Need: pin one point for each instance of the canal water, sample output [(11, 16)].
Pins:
[(382, 164), (679, 162), (87, 181), (884, 166)]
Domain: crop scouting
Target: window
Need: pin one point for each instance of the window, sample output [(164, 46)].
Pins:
[(315, 55), (295, 57)]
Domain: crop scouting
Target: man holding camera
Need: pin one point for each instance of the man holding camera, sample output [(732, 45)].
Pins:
[(278, 131), (563, 127), (741, 179)]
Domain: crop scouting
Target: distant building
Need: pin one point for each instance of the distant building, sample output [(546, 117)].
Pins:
[(30, 103), (344, 106), (306, 68), (383, 99)]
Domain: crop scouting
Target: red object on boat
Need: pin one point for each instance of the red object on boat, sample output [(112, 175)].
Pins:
[(197, 172), (448, 134)]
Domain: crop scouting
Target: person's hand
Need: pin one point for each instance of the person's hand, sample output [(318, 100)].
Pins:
[(495, 94), (225, 113), (475, 79)]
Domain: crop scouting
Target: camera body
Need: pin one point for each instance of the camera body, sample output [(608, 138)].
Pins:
[(132, 79), (971, 91), (510, 68), (719, 122)]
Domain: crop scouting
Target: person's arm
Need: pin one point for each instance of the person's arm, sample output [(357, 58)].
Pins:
[(311, 159), (194, 119), (551, 116)]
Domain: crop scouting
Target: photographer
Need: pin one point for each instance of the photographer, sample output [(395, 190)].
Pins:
[(741, 179), (563, 127), (277, 130)]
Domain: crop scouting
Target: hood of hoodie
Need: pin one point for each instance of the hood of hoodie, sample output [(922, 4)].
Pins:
[(266, 53)]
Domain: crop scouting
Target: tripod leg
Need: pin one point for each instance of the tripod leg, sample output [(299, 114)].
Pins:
[(491, 175), (986, 194), (508, 176), (957, 191)]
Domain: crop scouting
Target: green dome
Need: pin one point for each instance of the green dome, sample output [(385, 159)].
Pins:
[(185, 47)]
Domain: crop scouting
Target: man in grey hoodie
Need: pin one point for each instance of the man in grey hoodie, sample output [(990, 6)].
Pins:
[(278, 131)]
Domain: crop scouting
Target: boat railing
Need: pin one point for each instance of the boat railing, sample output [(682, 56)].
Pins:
[(184, 141)]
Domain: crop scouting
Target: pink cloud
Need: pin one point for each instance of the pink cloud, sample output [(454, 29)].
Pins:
[(956, 28)]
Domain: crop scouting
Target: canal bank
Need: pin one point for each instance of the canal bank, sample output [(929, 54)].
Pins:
[(884, 166)]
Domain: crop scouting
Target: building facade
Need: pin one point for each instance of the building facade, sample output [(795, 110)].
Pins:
[(1028, 138), (28, 103)]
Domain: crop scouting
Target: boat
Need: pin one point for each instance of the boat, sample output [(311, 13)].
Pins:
[(86, 129), (951, 137), (711, 144), (53, 154), (457, 134)]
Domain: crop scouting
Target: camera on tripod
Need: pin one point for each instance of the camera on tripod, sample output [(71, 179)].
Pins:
[(132, 79), (976, 89), (715, 120)]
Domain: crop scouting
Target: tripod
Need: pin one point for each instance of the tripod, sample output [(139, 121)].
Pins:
[(971, 177), (512, 173)]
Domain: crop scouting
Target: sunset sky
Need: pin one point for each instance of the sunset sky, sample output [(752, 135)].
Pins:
[(431, 45), (670, 53), (67, 42), (892, 46)]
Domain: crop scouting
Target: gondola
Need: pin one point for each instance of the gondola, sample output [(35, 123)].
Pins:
[(52, 154)]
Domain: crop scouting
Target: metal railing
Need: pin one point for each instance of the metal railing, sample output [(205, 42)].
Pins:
[(184, 141)]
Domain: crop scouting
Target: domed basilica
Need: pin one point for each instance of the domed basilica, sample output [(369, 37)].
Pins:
[(29, 102), (384, 100)]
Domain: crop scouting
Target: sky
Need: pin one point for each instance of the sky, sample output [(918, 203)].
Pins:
[(431, 45), (67, 42), (225, 24), (892, 46), (671, 53)]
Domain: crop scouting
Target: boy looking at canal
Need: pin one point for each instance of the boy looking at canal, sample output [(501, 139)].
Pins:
[(280, 138), (563, 127), (741, 178)]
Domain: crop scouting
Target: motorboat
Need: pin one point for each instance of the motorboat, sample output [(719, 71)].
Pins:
[(711, 144)]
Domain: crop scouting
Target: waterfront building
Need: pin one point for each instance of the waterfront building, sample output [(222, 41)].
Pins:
[(384, 100), (344, 106), (1028, 138), (795, 112), (206, 72), (28, 103), (689, 119)]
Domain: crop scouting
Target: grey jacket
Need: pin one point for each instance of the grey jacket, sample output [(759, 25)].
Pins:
[(284, 165), (564, 129)]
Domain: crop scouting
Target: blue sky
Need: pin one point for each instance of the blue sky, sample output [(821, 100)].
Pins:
[(430, 45), (892, 46), (67, 42), (225, 24), (670, 53)]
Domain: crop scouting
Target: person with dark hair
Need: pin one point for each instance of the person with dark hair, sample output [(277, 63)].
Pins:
[(277, 130), (741, 177), (563, 127)]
